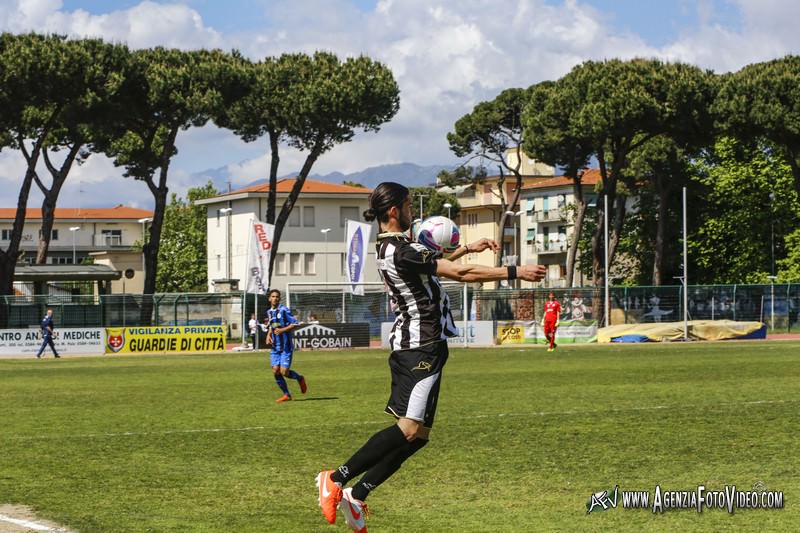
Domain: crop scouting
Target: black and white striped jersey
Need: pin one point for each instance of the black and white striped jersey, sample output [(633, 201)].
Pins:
[(421, 306)]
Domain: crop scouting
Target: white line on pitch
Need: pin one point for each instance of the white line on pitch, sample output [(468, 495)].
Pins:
[(26, 523), (376, 422)]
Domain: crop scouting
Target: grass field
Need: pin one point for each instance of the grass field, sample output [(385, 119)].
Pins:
[(523, 437)]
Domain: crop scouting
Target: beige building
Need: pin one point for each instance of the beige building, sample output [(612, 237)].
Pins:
[(546, 224), (312, 246), (482, 210), (108, 235)]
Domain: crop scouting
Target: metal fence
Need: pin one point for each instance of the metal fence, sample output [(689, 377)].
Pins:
[(775, 305)]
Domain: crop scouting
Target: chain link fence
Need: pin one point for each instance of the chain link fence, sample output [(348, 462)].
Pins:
[(775, 305)]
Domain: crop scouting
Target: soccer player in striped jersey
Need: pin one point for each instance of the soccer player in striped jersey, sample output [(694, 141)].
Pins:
[(281, 322), (418, 342)]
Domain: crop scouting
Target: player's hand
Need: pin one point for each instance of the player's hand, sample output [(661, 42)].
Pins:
[(531, 272), (557, 323), (484, 244)]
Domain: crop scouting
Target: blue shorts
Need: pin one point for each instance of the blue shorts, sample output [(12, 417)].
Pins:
[(283, 359)]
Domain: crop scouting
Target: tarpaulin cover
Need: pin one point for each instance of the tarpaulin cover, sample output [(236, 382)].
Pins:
[(697, 330)]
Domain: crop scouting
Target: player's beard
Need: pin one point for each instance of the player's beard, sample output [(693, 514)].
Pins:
[(404, 221)]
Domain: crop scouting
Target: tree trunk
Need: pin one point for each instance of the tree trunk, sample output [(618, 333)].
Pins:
[(288, 205), (51, 198), (150, 249), (273, 177), (661, 229), (580, 214)]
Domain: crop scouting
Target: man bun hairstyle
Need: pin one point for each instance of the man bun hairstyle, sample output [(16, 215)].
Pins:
[(385, 196)]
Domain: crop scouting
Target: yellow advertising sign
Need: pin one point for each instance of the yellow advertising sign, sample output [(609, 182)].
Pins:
[(513, 334), (163, 339)]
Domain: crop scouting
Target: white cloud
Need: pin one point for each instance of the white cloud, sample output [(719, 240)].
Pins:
[(446, 57), (144, 25)]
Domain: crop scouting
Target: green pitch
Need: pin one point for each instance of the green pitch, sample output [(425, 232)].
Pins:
[(523, 437)]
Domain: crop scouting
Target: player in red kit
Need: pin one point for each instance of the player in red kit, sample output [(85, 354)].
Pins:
[(552, 310)]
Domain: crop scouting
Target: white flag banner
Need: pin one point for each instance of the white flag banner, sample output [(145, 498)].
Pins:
[(357, 240), (258, 262)]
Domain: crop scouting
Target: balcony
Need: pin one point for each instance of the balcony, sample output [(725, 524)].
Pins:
[(552, 215), (107, 241), (552, 247)]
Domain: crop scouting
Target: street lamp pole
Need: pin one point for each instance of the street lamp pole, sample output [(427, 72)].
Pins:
[(421, 195), (325, 232), (227, 212), (143, 222), (448, 205), (73, 229), (772, 301), (515, 215)]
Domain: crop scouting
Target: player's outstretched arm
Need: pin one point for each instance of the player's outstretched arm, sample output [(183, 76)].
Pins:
[(446, 268), (474, 247)]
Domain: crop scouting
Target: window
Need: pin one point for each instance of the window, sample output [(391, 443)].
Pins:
[(347, 213), (6, 234), (112, 237), (343, 265), (61, 260), (219, 262), (530, 206), (53, 235), (309, 265), (295, 264), (308, 216), (294, 218), (280, 264)]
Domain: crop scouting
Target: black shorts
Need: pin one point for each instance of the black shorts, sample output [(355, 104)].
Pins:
[(416, 376)]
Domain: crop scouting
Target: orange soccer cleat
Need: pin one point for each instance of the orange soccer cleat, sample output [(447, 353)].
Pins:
[(284, 398), (330, 494), (303, 386)]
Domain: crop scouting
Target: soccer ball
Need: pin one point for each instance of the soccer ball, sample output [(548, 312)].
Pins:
[(439, 235)]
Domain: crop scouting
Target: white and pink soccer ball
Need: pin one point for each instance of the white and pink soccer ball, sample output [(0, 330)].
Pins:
[(439, 235)]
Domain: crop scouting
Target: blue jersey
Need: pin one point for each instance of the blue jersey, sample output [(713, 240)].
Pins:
[(280, 318), (47, 325)]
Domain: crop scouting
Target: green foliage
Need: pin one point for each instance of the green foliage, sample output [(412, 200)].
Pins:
[(432, 202), (762, 101), (491, 128), (733, 239), (197, 443), (789, 267), (311, 103), (183, 254), (607, 110), (166, 91)]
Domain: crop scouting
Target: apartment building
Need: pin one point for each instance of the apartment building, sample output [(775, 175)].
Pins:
[(107, 235), (546, 223), (312, 245)]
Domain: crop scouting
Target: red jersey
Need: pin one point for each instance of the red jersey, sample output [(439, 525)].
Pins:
[(552, 310)]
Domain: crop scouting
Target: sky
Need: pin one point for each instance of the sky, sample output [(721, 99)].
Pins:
[(446, 57)]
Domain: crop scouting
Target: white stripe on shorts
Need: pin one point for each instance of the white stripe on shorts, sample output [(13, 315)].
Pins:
[(418, 400)]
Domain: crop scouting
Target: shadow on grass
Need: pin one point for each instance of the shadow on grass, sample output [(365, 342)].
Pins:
[(327, 398)]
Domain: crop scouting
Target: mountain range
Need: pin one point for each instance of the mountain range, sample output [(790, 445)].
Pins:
[(409, 174)]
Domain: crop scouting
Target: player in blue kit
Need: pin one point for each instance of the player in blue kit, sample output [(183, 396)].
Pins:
[(47, 334), (281, 322)]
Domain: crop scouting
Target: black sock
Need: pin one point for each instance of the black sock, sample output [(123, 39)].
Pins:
[(384, 469), (380, 445)]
